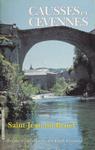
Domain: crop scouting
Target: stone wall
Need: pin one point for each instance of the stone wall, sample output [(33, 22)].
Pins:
[(44, 82)]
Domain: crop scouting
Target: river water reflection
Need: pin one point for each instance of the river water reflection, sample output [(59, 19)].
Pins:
[(63, 110)]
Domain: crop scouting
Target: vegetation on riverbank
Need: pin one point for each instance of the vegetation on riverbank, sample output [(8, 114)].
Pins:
[(83, 69), (62, 87), (83, 82), (18, 91)]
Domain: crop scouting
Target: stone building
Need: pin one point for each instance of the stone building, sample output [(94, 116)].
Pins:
[(41, 78)]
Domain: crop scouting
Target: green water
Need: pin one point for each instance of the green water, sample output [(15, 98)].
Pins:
[(64, 110)]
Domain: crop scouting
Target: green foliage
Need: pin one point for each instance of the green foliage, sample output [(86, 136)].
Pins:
[(7, 73), (82, 59), (18, 90), (29, 89), (61, 87), (70, 70), (15, 79), (7, 42)]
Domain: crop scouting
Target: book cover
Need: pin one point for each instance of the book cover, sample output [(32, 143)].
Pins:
[(47, 75)]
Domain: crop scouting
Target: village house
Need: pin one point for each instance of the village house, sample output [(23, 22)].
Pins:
[(41, 78)]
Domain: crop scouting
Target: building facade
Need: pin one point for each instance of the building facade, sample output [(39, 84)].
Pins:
[(41, 78)]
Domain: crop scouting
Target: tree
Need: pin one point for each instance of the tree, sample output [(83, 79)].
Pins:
[(81, 59), (61, 87)]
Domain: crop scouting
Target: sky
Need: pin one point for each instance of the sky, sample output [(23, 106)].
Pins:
[(50, 53)]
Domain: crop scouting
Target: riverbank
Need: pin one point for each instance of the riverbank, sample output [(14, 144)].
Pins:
[(52, 95), (43, 96), (89, 99)]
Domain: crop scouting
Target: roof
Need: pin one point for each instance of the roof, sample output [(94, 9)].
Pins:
[(36, 72)]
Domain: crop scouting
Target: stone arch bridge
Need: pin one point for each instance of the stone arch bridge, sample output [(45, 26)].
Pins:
[(26, 39)]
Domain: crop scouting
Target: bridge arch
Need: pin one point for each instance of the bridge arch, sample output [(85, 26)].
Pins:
[(52, 53), (28, 38)]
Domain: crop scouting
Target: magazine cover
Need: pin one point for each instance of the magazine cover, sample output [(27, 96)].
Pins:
[(47, 75)]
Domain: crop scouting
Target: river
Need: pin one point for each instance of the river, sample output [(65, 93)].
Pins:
[(64, 110)]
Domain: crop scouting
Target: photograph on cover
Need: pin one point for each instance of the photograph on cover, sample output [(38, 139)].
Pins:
[(47, 75)]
